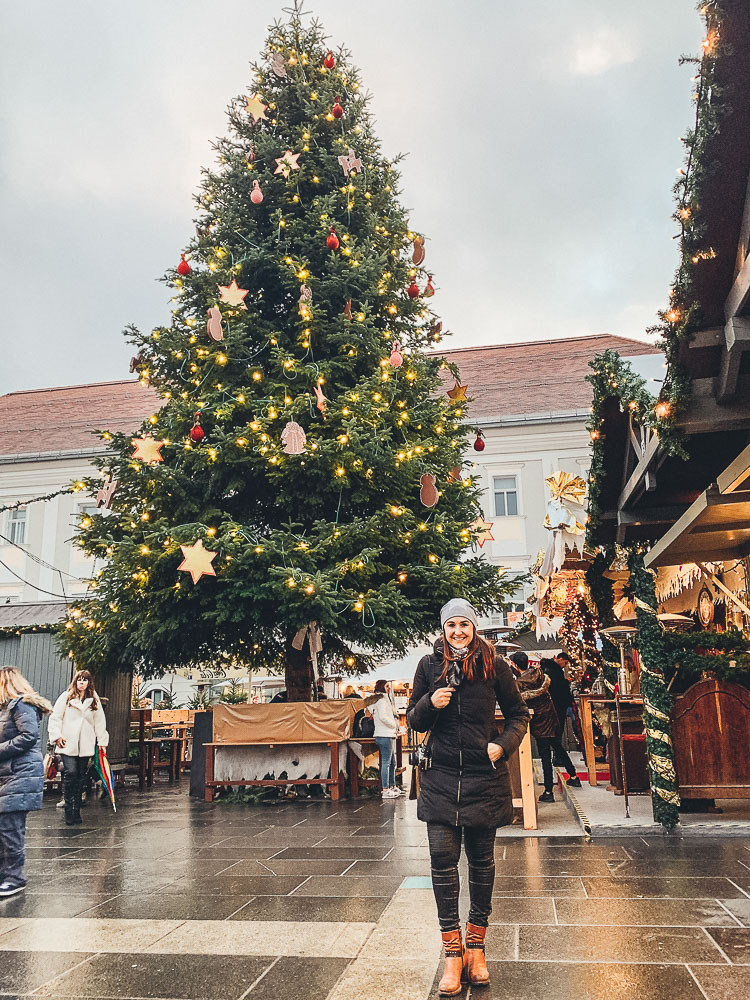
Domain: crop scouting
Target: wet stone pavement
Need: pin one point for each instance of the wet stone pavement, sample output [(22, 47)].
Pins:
[(310, 900)]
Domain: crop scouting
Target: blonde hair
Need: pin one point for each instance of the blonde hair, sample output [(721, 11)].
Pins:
[(14, 685)]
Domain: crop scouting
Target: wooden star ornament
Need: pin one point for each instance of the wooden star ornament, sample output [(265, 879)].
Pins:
[(148, 449), (256, 108), (287, 163), (197, 560), (458, 393), (106, 494), (484, 530), (232, 295)]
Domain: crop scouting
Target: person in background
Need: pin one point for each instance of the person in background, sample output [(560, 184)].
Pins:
[(385, 717), (321, 691), (77, 724), (21, 772), (465, 792), (534, 685), (351, 692), (279, 697), (559, 688)]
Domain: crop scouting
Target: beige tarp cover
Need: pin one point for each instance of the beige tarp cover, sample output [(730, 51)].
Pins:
[(295, 722)]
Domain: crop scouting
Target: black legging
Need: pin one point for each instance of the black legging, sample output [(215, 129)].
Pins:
[(445, 850), (547, 745), (75, 770)]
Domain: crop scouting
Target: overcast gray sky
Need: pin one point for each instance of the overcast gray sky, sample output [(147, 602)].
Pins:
[(543, 141)]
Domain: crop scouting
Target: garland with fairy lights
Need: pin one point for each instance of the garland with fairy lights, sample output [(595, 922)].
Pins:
[(657, 701), (613, 378)]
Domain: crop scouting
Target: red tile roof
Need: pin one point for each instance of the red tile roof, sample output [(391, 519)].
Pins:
[(541, 376), (544, 376), (50, 420)]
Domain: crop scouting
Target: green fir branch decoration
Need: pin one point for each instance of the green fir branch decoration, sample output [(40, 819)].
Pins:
[(657, 701)]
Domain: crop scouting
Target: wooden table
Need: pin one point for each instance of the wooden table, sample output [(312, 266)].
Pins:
[(336, 783)]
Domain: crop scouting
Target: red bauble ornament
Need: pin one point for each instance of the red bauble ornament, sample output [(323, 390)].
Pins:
[(183, 267), (479, 443), (196, 431), (329, 62), (337, 111), (333, 241), (413, 290)]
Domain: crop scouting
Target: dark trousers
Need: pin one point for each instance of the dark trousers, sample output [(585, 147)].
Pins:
[(445, 850), (547, 746), (12, 846), (75, 770)]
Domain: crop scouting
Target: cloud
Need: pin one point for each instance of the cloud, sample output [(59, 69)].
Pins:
[(596, 52)]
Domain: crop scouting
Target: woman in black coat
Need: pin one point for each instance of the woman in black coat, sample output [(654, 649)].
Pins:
[(21, 772), (465, 789)]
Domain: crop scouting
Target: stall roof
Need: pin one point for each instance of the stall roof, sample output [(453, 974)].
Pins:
[(21, 615)]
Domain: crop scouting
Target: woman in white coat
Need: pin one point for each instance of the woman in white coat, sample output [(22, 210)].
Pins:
[(386, 730), (76, 725)]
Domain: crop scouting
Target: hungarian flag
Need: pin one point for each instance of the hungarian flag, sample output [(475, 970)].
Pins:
[(105, 773)]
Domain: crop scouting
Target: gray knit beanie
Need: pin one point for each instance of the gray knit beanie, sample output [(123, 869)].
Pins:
[(458, 608)]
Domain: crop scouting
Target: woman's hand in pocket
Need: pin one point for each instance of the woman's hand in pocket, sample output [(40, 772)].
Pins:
[(494, 752)]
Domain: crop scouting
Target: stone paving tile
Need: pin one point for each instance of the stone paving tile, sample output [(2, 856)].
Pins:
[(25, 971), (645, 912), (352, 853), (515, 910), (391, 867), (521, 885), (321, 885), (322, 939), (82, 934), (28, 904), (720, 982), (545, 980), (109, 883), (740, 909), (313, 908), (182, 977), (380, 979), (299, 979), (679, 888), (237, 885), (734, 942), (155, 906), (287, 866), (629, 944)]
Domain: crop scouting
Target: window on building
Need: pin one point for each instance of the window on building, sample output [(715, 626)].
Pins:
[(84, 511), (17, 526), (506, 496)]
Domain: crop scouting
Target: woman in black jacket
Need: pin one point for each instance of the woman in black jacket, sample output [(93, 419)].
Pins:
[(465, 789)]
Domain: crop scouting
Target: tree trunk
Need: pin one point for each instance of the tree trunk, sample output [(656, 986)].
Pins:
[(298, 672)]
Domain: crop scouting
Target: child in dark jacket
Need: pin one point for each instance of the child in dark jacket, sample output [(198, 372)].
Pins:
[(21, 772)]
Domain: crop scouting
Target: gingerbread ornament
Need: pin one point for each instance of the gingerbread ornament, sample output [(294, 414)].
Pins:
[(322, 402), (419, 252), (428, 493), (293, 438), (213, 324), (396, 359)]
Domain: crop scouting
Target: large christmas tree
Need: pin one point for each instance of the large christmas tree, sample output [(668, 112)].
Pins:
[(306, 436)]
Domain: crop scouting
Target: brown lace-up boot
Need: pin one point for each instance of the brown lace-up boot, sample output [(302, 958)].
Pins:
[(450, 984), (475, 966)]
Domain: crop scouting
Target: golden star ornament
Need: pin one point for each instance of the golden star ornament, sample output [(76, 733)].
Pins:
[(255, 107), (484, 531), (197, 561), (287, 163), (148, 449), (458, 393), (232, 295)]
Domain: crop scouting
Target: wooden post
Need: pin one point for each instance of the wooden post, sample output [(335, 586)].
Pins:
[(528, 789), (588, 738), (209, 793), (335, 788), (142, 750)]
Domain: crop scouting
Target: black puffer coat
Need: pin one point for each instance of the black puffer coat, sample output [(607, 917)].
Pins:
[(21, 762), (462, 788)]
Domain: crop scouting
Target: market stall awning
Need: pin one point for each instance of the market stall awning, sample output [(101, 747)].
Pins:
[(715, 528)]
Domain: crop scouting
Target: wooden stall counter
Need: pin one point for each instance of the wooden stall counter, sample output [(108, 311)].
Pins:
[(306, 739)]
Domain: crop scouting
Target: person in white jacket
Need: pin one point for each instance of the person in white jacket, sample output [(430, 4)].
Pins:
[(386, 730), (76, 725)]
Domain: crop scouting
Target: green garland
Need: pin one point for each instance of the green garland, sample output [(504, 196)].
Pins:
[(657, 701), (726, 655), (612, 377)]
